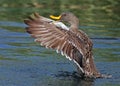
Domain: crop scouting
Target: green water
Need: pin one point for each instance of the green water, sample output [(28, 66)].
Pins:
[(25, 63)]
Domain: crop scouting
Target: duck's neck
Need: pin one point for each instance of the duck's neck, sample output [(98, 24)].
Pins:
[(74, 25)]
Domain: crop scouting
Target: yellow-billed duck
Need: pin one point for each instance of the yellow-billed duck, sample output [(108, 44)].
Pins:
[(71, 42)]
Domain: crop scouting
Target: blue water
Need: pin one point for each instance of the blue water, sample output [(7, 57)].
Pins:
[(25, 63)]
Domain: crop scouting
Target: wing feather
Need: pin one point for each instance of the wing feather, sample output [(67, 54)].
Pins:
[(50, 36)]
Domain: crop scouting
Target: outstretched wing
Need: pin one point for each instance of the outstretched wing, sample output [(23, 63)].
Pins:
[(51, 36)]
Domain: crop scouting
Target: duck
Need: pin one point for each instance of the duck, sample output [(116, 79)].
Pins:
[(62, 34)]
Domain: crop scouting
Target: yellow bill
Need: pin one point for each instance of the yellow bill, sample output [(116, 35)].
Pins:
[(55, 17)]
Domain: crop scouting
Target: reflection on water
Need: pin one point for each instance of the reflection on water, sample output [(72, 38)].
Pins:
[(68, 80), (74, 79), (25, 63)]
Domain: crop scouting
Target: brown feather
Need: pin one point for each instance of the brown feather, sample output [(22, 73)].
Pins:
[(74, 45)]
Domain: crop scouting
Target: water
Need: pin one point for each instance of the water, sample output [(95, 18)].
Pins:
[(25, 63)]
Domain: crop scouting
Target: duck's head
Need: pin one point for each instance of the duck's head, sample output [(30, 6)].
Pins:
[(67, 17)]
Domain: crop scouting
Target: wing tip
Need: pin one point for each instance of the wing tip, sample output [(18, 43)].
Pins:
[(31, 17)]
